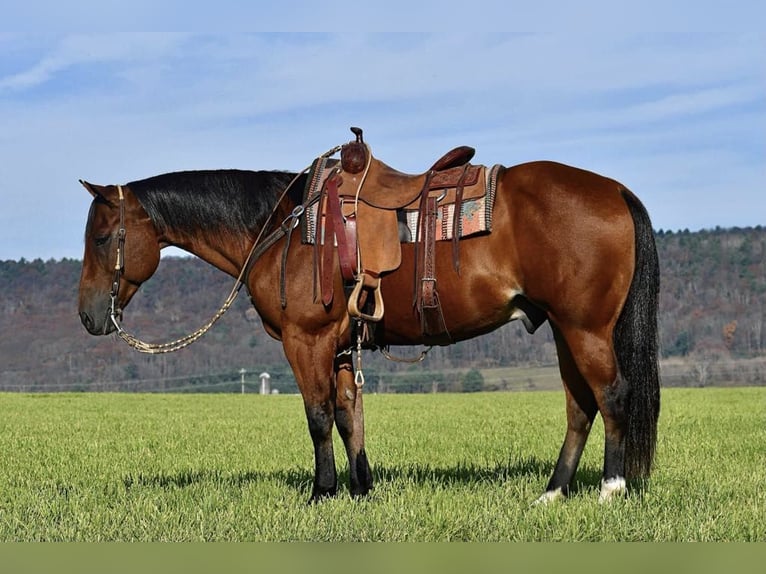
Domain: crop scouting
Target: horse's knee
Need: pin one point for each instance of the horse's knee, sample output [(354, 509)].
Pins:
[(320, 419)]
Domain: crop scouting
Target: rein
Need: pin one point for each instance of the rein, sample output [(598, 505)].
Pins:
[(256, 251)]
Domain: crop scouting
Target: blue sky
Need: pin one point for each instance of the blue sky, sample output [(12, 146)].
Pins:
[(678, 117)]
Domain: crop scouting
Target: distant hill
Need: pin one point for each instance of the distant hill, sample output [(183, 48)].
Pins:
[(712, 325)]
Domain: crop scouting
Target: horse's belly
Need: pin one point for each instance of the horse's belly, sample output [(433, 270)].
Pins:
[(467, 313)]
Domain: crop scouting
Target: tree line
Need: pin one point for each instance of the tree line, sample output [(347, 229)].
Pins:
[(712, 327)]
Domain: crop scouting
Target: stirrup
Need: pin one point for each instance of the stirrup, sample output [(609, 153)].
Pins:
[(365, 280)]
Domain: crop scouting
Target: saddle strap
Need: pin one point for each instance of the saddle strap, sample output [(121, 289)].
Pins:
[(428, 280), (431, 316), (417, 300), (345, 236)]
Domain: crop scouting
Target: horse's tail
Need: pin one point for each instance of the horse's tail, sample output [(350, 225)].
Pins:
[(636, 346)]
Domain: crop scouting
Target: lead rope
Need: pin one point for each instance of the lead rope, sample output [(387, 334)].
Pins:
[(178, 344)]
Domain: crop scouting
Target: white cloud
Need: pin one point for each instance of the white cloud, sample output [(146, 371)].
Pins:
[(80, 50), (653, 111)]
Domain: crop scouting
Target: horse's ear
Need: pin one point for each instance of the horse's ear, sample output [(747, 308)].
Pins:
[(90, 187), (102, 192)]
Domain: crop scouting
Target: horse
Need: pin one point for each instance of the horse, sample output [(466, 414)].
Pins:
[(571, 246)]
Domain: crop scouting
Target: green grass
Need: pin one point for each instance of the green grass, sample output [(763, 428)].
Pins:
[(96, 467)]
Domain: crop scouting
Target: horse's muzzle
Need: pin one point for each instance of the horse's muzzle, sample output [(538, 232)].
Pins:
[(94, 327)]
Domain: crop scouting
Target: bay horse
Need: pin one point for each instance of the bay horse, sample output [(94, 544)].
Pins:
[(574, 247)]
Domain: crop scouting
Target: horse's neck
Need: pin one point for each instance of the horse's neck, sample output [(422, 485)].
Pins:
[(229, 255), (228, 249)]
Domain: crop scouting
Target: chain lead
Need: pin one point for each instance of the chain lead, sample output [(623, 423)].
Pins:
[(359, 377)]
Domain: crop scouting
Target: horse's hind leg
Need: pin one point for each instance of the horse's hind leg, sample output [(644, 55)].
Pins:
[(592, 353), (581, 409), (349, 419)]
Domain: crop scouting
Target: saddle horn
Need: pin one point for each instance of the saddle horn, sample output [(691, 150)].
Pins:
[(353, 155)]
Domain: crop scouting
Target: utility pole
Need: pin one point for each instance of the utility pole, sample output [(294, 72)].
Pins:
[(242, 379)]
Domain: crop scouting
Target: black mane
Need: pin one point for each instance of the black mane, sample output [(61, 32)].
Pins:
[(226, 201)]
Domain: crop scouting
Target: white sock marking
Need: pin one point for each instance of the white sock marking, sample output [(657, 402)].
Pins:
[(612, 487)]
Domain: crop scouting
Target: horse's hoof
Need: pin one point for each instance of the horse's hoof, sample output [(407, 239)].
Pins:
[(320, 495), (550, 496), (612, 488), (360, 491)]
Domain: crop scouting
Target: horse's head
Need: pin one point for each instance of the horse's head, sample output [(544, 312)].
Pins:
[(122, 250)]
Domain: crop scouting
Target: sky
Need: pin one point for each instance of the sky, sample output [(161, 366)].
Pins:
[(678, 117)]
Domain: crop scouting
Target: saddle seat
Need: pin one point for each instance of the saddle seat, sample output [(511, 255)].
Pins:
[(384, 187), (366, 195)]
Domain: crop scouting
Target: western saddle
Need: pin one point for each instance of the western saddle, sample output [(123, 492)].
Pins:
[(360, 203)]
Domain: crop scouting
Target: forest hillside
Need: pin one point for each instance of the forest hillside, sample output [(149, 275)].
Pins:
[(712, 328)]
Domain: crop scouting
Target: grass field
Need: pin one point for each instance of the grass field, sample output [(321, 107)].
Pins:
[(96, 467)]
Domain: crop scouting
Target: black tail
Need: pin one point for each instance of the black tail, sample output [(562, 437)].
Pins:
[(636, 345)]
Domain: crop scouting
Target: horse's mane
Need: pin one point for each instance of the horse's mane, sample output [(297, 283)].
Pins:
[(226, 201)]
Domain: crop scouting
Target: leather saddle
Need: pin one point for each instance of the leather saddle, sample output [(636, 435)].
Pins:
[(361, 203)]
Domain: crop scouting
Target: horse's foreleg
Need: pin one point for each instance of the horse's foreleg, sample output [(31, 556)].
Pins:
[(320, 420), (312, 361), (349, 418), (581, 409)]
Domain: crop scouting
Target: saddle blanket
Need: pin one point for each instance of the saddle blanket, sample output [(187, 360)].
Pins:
[(475, 214)]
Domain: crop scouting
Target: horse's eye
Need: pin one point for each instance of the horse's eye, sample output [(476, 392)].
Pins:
[(101, 240)]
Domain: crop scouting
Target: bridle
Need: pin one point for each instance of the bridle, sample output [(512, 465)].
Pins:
[(119, 265)]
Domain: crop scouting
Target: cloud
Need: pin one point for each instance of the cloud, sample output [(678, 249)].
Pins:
[(81, 50), (655, 111)]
